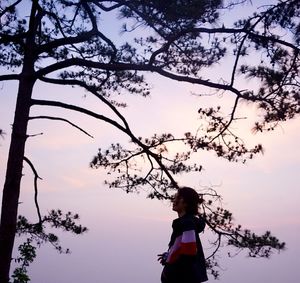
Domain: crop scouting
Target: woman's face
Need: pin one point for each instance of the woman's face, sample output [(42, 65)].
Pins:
[(178, 204)]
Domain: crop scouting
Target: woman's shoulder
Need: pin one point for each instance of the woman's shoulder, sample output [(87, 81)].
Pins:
[(192, 222)]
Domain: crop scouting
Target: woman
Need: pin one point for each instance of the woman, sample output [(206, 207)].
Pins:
[(184, 262)]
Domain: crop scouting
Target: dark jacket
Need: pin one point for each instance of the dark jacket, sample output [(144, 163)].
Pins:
[(185, 262)]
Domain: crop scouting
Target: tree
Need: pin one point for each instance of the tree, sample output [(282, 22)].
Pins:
[(61, 42)]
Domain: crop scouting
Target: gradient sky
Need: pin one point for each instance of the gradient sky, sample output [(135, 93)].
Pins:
[(127, 231)]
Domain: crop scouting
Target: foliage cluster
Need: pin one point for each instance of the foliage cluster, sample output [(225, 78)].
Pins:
[(37, 234)]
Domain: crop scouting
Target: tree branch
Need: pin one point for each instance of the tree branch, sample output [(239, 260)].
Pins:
[(91, 15), (194, 80), (36, 177), (218, 244), (107, 9), (78, 109), (131, 67), (235, 31), (83, 37), (17, 38), (61, 119), (237, 60), (164, 48), (47, 47), (91, 89), (91, 64), (112, 122), (10, 7), (230, 120), (274, 40), (9, 77)]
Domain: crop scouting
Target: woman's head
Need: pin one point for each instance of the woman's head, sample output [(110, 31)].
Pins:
[(186, 200)]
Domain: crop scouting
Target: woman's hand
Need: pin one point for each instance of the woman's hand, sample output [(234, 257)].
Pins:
[(162, 258)]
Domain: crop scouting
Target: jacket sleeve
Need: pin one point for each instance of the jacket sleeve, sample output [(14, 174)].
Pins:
[(185, 244)]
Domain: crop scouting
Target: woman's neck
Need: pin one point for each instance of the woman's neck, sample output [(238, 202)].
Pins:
[(181, 213)]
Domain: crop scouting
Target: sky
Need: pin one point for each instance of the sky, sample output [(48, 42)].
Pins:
[(127, 231)]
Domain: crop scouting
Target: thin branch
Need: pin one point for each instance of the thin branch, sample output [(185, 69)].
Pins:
[(109, 42), (217, 247), (143, 17), (165, 197), (61, 119), (151, 168), (83, 37), (36, 177), (91, 15), (79, 38), (194, 80), (248, 32), (65, 41), (282, 84), (157, 159), (130, 67), (237, 60), (10, 7), (90, 89), (232, 4), (91, 64), (75, 16), (234, 31), (35, 135), (80, 110), (9, 77), (275, 40), (226, 126), (57, 21), (164, 48), (107, 9), (134, 67)]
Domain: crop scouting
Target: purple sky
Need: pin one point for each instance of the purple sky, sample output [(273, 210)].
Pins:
[(127, 231)]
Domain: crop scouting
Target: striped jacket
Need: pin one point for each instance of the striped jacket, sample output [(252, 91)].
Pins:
[(185, 262)]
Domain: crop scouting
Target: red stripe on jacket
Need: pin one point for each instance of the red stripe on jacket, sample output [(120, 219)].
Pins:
[(184, 244)]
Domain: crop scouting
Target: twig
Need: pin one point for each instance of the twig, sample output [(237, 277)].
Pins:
[(35, 135), (217, 248), (61, 119), (36, 177)]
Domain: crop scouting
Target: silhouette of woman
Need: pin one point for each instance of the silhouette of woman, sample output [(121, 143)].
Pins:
[(184, 262)]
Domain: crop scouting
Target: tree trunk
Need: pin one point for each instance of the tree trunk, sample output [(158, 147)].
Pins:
[(11, 190)]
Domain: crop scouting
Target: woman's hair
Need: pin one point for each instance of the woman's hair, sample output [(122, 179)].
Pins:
[(191, 198)]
